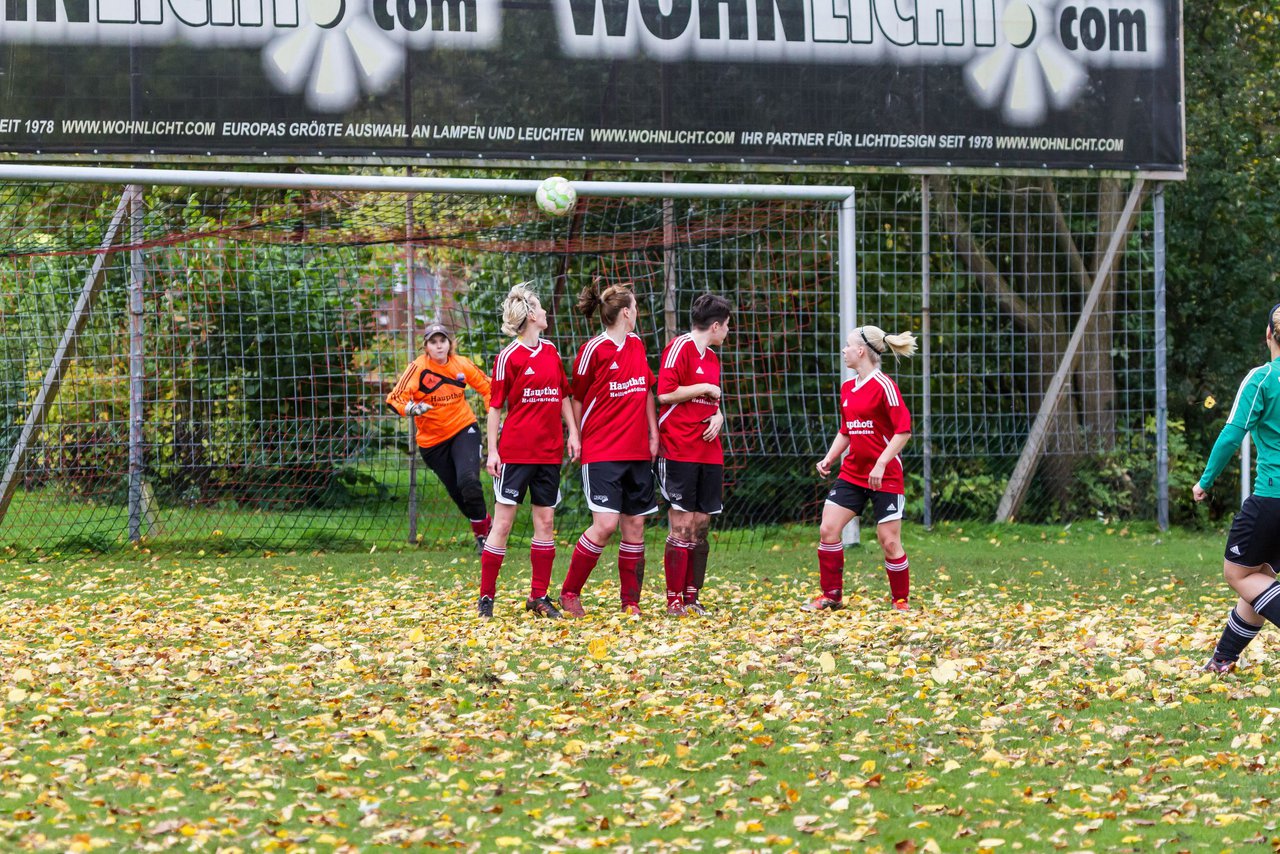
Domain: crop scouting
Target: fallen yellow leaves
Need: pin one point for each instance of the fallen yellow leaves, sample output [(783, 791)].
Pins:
[(167, 709), (598, 648), (944, 672)]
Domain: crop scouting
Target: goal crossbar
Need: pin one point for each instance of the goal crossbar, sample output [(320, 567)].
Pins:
[(408, 184)]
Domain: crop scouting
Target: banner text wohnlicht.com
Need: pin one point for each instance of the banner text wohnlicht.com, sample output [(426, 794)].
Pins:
[(839, 140), (1066, 38)]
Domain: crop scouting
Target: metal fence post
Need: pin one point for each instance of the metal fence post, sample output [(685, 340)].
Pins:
[(926, 406), (670, 300), (1162, 380), (137, 369), (410, 303)]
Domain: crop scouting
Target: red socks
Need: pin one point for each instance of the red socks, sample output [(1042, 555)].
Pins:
[(542, 555), (490, 566), (831, 569), (629, 557), (899, 572), (480, 527), (675, 563), (586, 555)]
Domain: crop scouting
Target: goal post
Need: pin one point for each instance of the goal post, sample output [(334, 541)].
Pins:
[(706, 236), (62, 356)]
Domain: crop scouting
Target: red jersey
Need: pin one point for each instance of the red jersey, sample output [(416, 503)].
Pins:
[(612, 383), (681, 425), (531, 383), (871, 412)]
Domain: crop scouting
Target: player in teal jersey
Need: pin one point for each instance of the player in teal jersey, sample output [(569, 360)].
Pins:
[(1253, 543)]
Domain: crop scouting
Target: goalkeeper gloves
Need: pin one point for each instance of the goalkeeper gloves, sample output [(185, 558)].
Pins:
[(415, 409)]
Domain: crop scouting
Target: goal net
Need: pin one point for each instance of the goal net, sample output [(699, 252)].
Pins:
[(230, 350), (269, 326)]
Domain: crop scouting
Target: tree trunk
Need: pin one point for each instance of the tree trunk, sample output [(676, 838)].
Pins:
[(1094, 377)]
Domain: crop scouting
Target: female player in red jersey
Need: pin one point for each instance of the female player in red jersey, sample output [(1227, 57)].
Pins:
[(530, 383), (431, 391), (691, 456), (874, 428), (618, 421)]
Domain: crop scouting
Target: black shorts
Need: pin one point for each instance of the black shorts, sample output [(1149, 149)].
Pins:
[(886, 506), (625, 488), (692, 487), (1254, 538), (540, 480)]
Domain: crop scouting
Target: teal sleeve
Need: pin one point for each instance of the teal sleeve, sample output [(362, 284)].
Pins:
[(1223, 450), (1250, 400)]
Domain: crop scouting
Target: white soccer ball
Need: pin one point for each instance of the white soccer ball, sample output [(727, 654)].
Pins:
[(556, 196)]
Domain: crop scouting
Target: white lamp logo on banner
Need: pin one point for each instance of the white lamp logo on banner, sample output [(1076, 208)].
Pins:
[(1023, 57)]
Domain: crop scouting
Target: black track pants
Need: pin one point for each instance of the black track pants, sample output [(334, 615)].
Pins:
[(456, 462)]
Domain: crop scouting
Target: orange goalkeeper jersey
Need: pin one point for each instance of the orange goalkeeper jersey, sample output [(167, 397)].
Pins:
[(444, 387)]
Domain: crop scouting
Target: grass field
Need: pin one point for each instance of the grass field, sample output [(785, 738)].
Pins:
[(1044, 695)]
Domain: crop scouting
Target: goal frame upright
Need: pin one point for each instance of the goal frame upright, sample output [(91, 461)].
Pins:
[(136, 180)]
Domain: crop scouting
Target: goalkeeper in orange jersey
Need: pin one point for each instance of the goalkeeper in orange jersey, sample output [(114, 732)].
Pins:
[(431, 391)]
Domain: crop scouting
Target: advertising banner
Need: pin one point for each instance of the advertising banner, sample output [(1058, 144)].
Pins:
[(1072, 84)]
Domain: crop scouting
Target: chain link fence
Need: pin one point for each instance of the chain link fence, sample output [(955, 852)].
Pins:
[(228, 378)]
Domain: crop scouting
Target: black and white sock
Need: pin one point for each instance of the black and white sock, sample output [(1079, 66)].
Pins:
[(1268, 603), (1236, 635)]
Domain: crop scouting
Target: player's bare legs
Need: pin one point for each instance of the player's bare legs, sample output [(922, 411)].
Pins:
[(504, 517), (834, 520), (544, 522), (1243, 622), (1249, 582), (602, 527), (889, 535)]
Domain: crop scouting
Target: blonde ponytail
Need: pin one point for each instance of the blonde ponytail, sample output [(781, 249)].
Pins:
[(902, 344), (879, 342)]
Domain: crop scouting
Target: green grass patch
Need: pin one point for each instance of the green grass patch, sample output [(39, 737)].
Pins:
[(1044, 694)]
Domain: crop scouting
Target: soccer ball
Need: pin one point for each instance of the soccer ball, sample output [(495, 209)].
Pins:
[(556, 196)]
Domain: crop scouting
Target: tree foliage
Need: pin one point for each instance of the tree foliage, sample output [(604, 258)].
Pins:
[(1222, 221)]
